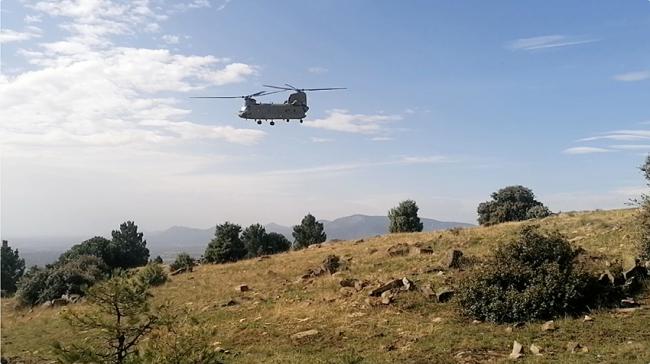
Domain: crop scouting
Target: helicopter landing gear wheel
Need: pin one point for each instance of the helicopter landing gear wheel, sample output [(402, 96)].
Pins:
[(259, 122), (287, 120), (272, 123), (300, 121)]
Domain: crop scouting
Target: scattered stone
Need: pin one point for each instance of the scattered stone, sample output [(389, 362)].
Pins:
[(348, 282), (454, 259), (549, 326), (58, 302), (386, 297), (360, 285), (229, 303), (445, 294), (242, 288), (398, 250), (427, 290), (588, 318), (421, 250), (575, 347), (179, 271), (407, 284), (331, 263), (304, 334), (395, 283), (47, 304), (536, 350), (517, 349), (629, 303), (437, 320), (476, 322)]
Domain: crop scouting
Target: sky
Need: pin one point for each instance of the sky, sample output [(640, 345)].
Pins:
[(446, 102)]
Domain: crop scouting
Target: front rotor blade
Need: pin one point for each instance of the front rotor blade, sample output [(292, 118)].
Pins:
[(323, 89), (290, 86), (278, 87), (271, 92), (216, 97)]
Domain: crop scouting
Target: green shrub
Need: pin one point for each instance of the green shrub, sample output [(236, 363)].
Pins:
[(12, 266), (538, 212), (158, 260), (226, 245), (183, 260), (31, 284), (534, 277), (644, 215), (153, 274), (512, 203), (310, 231), (404, 218)]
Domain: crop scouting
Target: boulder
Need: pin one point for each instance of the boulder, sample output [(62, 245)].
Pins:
[(549, 326), (454, 258), (397, 250), (394, 284), (536, 350), (517, 350), (348, 282), (304, 334), (331, 263), (407, 284), (386, 297), (445, 294)]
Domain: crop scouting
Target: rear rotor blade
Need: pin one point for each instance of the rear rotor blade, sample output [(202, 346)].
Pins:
[(286, 84), (216, 97), (323, 89), (279, 88)]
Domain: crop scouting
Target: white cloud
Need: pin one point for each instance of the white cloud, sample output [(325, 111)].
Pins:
[(547, 41), (342, 120), (321, 140), (8, 35), (317, 70), (585, 150), (622, 135), (633, 76), (33, 18), (381, 139), (170, 39)]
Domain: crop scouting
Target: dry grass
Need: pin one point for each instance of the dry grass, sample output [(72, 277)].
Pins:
[(353, 329)]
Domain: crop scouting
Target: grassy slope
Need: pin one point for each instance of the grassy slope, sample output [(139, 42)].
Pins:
[(412, 329)]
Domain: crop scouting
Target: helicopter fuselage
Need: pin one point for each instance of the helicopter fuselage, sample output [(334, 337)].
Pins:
[(295, 108)]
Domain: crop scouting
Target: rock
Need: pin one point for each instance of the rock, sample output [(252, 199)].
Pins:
[(427, 291), (445, 294), (575, 347), (516, 351), (454, 259), (536, 350), (229, 303), (304, 334), (360, 285), (629, 303), (587, 318), (407, 284), (509, 329), (386, 298), (348, 282), (58, 302), (437, 320), (421, 250), (394, 284), (476, 322), (398, 250), (358, 241), (242, 288), (549, 326), (331, 263), (47, 304)]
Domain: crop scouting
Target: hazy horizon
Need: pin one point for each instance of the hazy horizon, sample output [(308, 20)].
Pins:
[(446, 103)]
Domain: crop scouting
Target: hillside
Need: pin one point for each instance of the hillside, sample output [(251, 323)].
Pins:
[(412, 329)]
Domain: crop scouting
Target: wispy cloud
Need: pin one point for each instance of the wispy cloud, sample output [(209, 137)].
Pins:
[(585, 150), (317, 69), (170, 39), (381, 139), (8, 35), (344, 121), (621, 135), (633, 76), (547, 41), (321, 140)]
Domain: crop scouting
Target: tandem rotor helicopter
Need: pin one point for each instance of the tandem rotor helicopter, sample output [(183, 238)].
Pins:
[(295, 108)]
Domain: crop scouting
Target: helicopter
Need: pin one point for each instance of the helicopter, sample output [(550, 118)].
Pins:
[(294, 108)]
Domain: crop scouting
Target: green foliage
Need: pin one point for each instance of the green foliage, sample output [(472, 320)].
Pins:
[(31, 285), (226, 245), (12, 266), (404, 218), (119, 319), (153, 274), (96, 246), (511, 203), (308, 232), (538, 212), (534, 277), (253, 238), (183, 260), (130, 250), (258, 242)]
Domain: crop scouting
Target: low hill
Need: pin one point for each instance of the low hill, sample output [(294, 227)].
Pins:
[(355, 328)]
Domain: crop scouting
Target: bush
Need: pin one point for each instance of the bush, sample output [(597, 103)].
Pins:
[(275, 243), (226, 245), (512, 203), (153, 274), (309, 232), (97, 246), (31, 284), (183, 260), (538, 212), (534, 277), (644, 215), (158, 260), (404, 218)]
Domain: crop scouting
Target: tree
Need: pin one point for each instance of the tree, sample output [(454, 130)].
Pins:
[(183, 260), (130, 250), (226, 245), (404, 218), (275, 243), (73, 277), (31, 285), (97, 246), (254, 238), (119, 319), (644, 215), (308, 232), (13, 267), (511, 203)]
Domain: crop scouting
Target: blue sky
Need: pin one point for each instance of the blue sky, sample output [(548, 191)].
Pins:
[(447, 101)]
